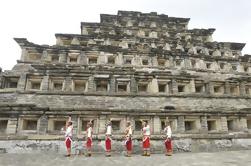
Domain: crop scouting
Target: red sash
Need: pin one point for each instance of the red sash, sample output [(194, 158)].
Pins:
[(108, 144), (146, 142), (168, 144), (68, 142), (88, 143), (129, 144)]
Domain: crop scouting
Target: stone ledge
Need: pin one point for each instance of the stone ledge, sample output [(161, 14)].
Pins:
[(13, 137), (130, 95), (45, 137), (8, 90), (99, 111), (135, 137), (8, 104)]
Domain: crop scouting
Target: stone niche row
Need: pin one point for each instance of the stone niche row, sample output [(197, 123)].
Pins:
[(146, 21), (146, 46), (146, 24), (34, 124), (145, 33), (102, 58), (125, 85), (129, 44), (92, 28)]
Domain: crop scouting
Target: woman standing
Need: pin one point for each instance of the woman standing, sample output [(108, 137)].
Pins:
[(68, 136), (108, 140), (168, 141), (128, 137), (89, 138), (146, 138)]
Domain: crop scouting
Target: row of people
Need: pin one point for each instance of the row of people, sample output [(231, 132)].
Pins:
[(146, 133)]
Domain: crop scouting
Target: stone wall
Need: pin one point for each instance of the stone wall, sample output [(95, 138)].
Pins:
[(188, 115), (104, 102)]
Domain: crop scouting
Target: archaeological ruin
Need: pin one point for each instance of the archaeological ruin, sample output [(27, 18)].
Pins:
[(130, 66)]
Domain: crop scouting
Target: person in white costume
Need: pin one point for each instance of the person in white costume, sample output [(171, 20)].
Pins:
[(68, 136), (146, 138), (168, 141), (128, 139), (108, 140), (89, 138)]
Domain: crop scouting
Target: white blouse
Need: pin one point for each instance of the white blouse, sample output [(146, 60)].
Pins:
[(146, 130), (89, 132), (109, 130), (129, 133), (168, 131), (68, 132)]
